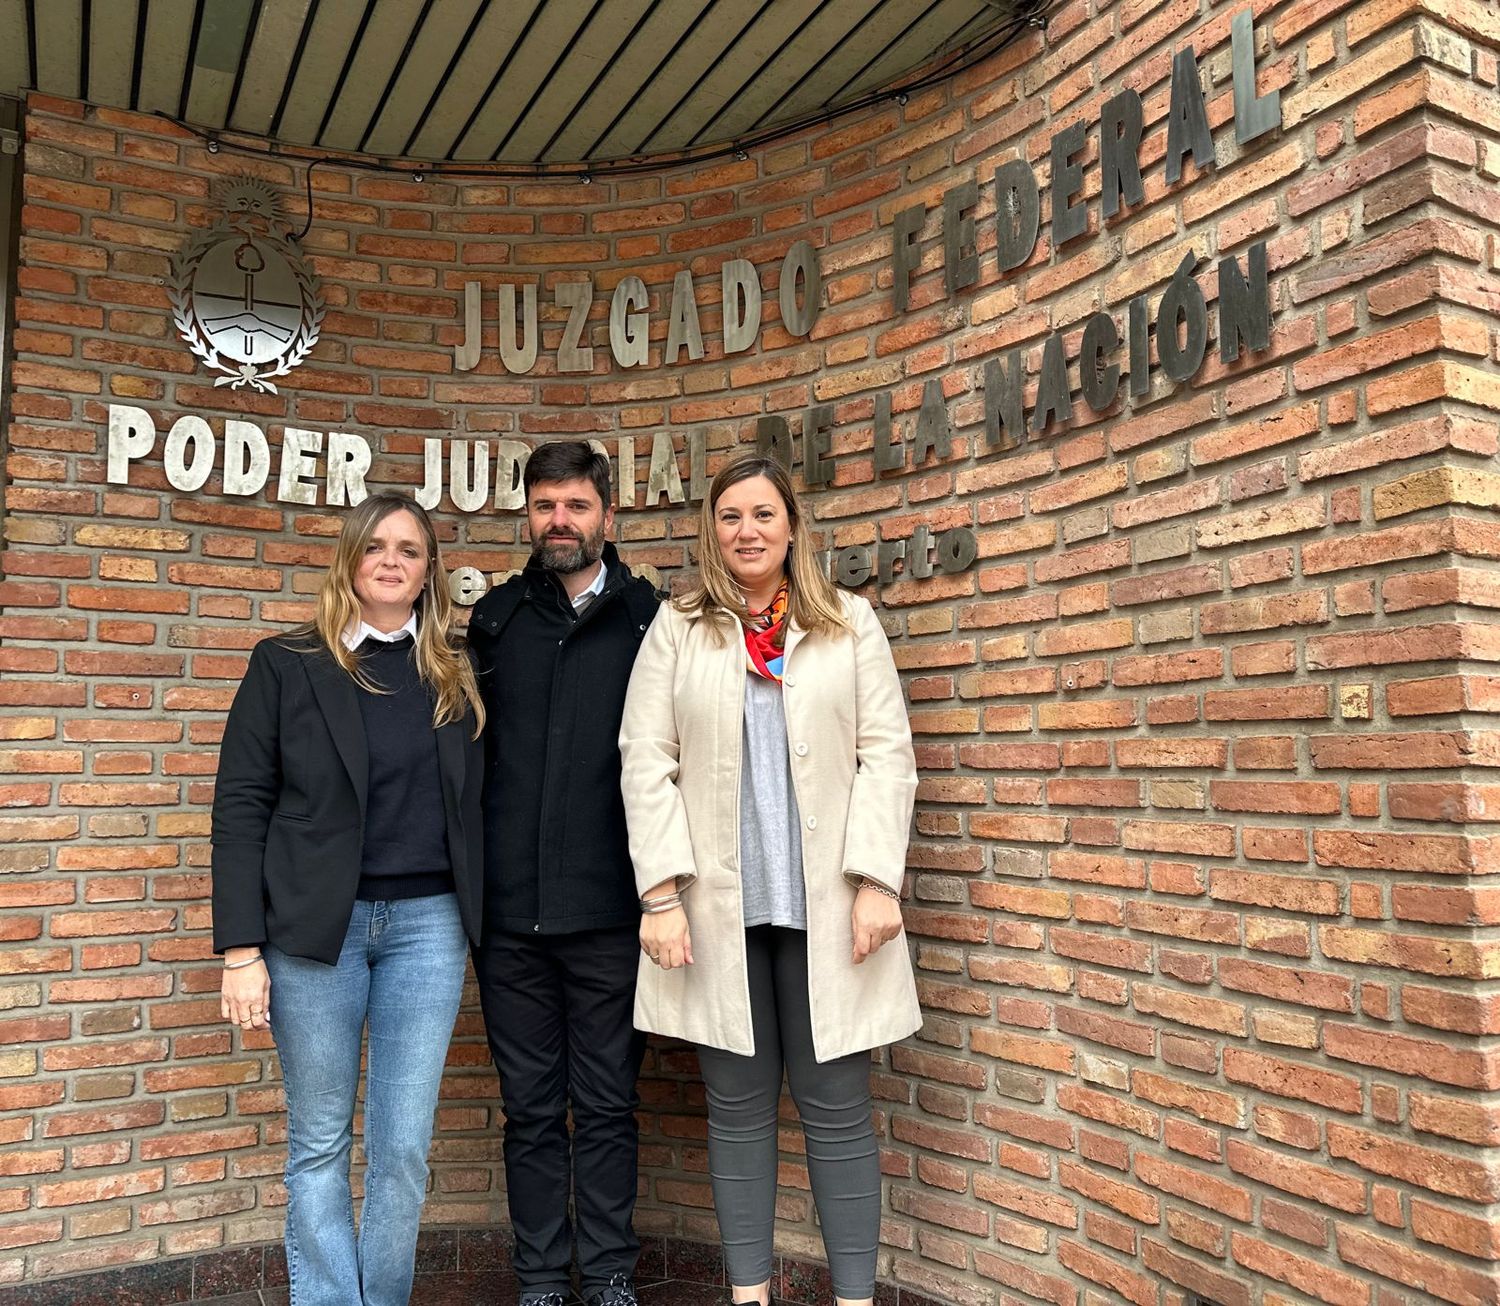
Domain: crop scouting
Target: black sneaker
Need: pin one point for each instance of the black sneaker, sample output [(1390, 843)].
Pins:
[(620, 1292), (543, 1299)]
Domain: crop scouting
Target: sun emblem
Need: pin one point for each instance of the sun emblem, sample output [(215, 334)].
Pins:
[(242, 297)]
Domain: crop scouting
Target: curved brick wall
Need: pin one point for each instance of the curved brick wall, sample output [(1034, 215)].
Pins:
[(1199, 903)]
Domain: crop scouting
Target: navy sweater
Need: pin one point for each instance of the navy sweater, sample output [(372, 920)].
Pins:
[(406, 844)]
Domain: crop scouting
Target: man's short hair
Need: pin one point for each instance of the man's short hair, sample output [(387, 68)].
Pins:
[(567, 460)]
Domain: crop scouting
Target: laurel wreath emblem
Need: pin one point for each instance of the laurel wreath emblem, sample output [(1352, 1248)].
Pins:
[(253, 216)]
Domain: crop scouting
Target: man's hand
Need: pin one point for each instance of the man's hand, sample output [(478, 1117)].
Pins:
[(665, 938), (877, 920)]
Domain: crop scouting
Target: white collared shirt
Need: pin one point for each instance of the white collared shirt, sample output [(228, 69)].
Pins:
[(594, 589), (356, 635)]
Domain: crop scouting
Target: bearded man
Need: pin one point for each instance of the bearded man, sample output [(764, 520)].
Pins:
[(558, 953)]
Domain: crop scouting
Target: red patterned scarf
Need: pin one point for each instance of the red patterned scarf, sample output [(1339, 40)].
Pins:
[(765, 634)]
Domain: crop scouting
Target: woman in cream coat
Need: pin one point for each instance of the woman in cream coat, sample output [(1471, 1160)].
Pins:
[(768, 779)]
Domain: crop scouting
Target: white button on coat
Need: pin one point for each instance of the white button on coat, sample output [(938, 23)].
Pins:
[(812, 822), (801, 750)]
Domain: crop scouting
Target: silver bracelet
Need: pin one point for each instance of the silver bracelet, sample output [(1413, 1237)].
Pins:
[(651, 906), (867, 883), (240, 965)]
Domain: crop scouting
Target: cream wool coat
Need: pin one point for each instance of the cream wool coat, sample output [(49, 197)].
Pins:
[(855, 779)]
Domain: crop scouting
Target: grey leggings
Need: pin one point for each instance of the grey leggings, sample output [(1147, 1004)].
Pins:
[(833, 1100)]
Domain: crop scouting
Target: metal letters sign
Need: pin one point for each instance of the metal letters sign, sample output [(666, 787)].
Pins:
[(242, 297), (246, 303)]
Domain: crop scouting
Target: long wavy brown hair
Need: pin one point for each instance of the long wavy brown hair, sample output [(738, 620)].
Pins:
[(443, 666), (812, 602)]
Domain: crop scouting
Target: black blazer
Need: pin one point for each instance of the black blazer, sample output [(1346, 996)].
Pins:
[(289, 805)]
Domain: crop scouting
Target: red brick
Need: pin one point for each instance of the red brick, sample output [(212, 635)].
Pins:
[(1190, 1274), (1125, 1198), (1295, 703), (1191, 1184), (1426, 1167), (1422, 1058), (1292, 1079), (1287, 984), (1204, 1103), (1412, 1267), (1300, 1272)]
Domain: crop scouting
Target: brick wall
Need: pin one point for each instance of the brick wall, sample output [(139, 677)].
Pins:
[(1200, 910)]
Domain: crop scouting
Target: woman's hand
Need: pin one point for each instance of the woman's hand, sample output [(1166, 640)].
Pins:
[(245, 991), (877, 920), (665, 938)]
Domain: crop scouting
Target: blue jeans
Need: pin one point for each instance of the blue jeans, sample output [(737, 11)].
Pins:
[(402, 971)]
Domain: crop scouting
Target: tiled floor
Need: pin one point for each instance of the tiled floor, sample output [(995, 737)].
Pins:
[(455, 1267), (492, 1288)]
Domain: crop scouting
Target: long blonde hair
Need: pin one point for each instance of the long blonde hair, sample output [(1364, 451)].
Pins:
[(812, 602), (444, 668)]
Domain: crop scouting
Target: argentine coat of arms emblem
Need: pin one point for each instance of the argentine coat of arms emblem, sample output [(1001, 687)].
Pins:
[(242, 296)]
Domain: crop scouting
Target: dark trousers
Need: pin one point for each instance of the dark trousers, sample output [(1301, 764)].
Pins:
[(558, 1012), (833, 1100)]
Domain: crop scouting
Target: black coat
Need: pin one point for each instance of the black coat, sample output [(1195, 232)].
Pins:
[(556, 855), (289, 805)]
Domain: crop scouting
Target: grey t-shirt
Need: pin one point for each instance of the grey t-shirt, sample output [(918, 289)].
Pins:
[(770, 826)]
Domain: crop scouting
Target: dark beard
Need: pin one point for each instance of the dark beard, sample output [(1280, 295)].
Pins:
[(567, 556)]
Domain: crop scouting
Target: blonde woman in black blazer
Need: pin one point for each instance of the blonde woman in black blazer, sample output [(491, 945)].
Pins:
[(346, 878)]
